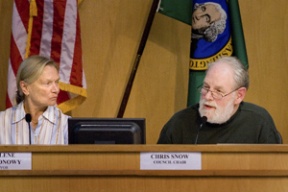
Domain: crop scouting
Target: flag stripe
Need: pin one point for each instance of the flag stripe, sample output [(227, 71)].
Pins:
[(16, 58), (47, 28), (77, 72), (58, 19), (69, 33), (11, 90), (37, 25), (17, 46), (21, 9), (68, 28)]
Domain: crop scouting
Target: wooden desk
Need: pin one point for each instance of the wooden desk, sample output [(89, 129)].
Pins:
[(117, 168)]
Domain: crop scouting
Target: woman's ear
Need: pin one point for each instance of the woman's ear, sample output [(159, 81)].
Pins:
[(24, 88), (241, 92)]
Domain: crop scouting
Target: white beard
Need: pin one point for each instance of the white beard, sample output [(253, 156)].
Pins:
[(217, 115)]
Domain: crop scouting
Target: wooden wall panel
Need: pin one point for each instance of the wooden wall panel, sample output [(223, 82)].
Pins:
[(162, 78), (5, 32), (266, 41)]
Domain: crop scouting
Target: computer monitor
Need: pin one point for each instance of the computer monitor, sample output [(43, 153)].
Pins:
[(106, 131)]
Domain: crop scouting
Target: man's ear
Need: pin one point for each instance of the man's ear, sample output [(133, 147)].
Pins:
[(24, 88), (241, 92)]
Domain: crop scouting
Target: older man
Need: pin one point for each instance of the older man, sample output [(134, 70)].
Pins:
[(221, 115)]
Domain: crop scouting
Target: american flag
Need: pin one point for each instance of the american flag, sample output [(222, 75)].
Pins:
[(49, 28)]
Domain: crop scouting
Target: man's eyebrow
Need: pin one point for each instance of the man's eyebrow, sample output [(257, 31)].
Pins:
[(218, 88)]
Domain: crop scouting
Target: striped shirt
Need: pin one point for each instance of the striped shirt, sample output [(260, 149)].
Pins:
[(52, 127)]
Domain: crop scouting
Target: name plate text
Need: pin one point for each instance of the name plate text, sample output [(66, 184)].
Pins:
[(170, 161)]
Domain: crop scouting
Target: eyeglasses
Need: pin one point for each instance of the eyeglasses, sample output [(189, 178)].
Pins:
[(215, 94)]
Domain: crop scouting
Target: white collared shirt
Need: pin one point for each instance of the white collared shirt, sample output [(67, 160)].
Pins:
[(52, 127)]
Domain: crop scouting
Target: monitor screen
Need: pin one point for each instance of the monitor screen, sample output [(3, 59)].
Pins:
[(106, 131)]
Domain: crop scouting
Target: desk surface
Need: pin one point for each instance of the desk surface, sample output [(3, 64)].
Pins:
[(282, 148), (256, 166)]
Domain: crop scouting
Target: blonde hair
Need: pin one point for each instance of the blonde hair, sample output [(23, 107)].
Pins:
[(30, 70)]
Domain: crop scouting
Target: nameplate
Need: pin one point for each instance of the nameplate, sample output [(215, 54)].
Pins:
[(170, 161), (15, 161)]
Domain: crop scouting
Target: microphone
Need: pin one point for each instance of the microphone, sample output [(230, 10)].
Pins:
[(203, 122), (28, 119)]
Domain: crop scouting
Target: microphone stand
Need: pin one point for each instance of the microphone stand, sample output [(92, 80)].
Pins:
[(28, 119), (203, 122), (29, 133)]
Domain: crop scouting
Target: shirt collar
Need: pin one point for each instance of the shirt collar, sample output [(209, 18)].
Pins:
[(50, 114), (20, 113)]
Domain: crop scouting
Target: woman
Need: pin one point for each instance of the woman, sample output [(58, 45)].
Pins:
[(37, 83)]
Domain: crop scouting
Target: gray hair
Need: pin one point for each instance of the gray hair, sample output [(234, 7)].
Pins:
[(30, 70), (241, 75)]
